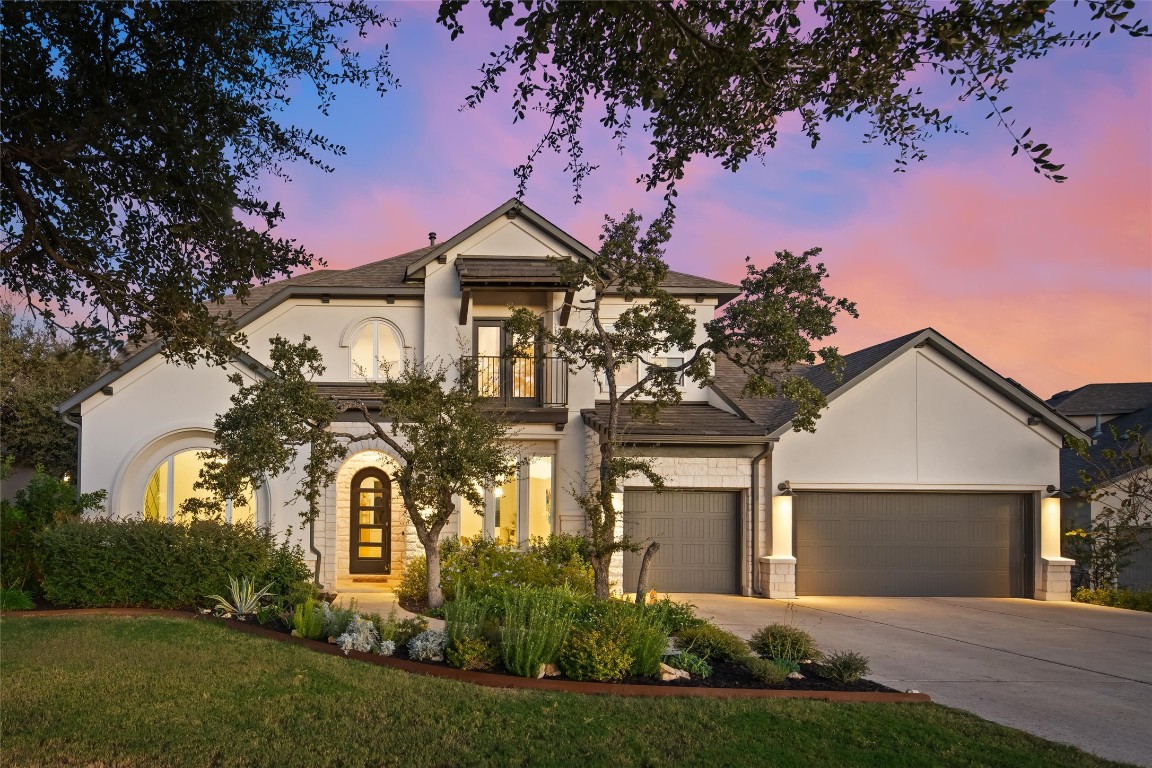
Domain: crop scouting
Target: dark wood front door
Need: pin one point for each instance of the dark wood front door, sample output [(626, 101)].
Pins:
[(370, 533)]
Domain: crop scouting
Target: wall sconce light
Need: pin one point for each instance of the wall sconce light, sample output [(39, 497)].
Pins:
[(1056, 493), (1034, 421), (785, 488)]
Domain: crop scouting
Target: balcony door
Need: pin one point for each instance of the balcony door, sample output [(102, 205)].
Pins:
[(512, 379)]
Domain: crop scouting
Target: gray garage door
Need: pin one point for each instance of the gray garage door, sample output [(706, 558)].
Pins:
[(911, 544), (699, 539)]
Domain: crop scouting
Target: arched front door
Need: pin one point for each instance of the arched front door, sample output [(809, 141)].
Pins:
[(370, 533)]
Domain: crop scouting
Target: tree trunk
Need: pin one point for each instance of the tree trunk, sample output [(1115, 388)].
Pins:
[(645, 564), (432, 557), (600, 568)]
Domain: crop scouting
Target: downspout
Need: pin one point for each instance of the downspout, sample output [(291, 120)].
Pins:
[(312, 544), (79, 434), (756, 590)]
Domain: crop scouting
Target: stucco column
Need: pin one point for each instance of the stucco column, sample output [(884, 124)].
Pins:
[(778, 569), (1055, 581)]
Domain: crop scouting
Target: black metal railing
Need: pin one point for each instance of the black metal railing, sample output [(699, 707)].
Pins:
[(540, 382)]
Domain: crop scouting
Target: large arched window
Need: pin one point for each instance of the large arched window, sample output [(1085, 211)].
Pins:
[(171, 484), (376, 346)]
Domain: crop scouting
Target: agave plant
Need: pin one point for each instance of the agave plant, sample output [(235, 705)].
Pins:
[(245, 597)]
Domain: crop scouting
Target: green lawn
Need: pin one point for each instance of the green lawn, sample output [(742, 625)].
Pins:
[(147, 691)]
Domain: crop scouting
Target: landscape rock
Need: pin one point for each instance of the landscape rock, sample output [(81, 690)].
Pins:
[(671, 673), (548, 670), (795, 676)]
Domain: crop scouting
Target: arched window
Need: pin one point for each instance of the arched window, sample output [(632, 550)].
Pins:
[(376, 346), (171, 484)]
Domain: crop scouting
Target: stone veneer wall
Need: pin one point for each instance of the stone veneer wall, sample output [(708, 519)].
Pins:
[(332, 530)]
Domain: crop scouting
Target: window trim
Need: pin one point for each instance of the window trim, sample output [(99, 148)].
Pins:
[(348, 339)]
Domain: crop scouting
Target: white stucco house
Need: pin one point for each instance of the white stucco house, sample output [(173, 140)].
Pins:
[(927, 474)]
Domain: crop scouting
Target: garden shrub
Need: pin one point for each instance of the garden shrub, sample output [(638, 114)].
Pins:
[(844, 666), (690, 663), (427, 646), (160, 565), (711, 643), (45, 503), (536, 621), (1116, 598), (783, 641), (337, 618), (359, 635), (308, 620), (468, 645), (767, 671), (590, 654), (15, 600), (673, 615), (412, 592), (643, 633)]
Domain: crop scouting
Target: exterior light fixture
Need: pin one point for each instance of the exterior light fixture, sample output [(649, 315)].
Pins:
[(785, 488), (1056, 493)]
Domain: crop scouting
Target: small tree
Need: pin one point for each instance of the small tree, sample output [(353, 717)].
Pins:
[(1119, 479), (445, 441), (766, 332)]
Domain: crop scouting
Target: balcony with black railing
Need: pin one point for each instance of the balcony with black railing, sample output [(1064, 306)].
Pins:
[(523, 382)]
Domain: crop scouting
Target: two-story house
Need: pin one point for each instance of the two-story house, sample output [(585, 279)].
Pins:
[(927, 474)]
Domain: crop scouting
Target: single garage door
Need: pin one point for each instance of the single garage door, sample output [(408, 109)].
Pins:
[(912, 544), (699, 539)]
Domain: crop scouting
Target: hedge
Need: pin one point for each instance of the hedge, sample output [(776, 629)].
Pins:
[(139, 563)]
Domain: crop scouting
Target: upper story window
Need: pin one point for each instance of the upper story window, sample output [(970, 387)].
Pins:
[(376, 346)]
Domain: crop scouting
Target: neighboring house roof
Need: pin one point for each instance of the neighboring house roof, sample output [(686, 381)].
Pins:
[(1071, 464), (776, 413), (682, 422), (1093, 399)]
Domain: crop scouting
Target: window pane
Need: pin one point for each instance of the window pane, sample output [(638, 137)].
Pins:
[(371, 552), (367, 517), (488, 353), (389, 349), (156, 495), (372, 535), (363, 363), (507, 506), (471, 520), (186, 471), (539, 496), (244, 510)]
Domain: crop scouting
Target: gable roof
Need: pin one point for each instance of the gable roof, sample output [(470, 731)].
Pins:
[(776, 413), (1092, 399)]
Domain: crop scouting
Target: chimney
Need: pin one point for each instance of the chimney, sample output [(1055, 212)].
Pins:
[(1099, 432), (431, 238)]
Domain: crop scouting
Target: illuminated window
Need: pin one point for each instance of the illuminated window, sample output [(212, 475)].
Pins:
[(376, 347), (520, 509), (172, 483)]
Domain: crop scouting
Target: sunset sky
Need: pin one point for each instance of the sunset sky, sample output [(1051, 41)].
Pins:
[(1048, 284)]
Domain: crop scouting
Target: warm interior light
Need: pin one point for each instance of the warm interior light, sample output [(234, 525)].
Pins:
[(1050, 527), (782, 525)]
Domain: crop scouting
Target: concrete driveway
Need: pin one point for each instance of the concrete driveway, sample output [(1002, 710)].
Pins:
[(1079, 674)]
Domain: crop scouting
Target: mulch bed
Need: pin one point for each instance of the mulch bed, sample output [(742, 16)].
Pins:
[(726, 681)]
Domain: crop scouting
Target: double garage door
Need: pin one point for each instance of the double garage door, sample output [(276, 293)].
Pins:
[(880, 544), (912, 544)]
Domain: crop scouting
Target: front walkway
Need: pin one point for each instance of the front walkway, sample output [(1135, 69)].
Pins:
[(1073, 673)]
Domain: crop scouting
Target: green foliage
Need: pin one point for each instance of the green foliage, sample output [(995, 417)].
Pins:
[(12, 599), (481, 567), (717, 79), (690, 663), (591, 654), (1116, 476), (40, 372), (784, 642), (243, 597), (274, 615), (159, 565), (137, 137), (412, 591), (844, 666), (766, 671), (1133, 600), (338, 617), (672, 615), (45, 503), (466, 625), (642, 634), (712, 643), (535, 623), (308, 620)]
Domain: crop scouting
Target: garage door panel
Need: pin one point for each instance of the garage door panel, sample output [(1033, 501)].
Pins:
[(698, 535), (896, 544)]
